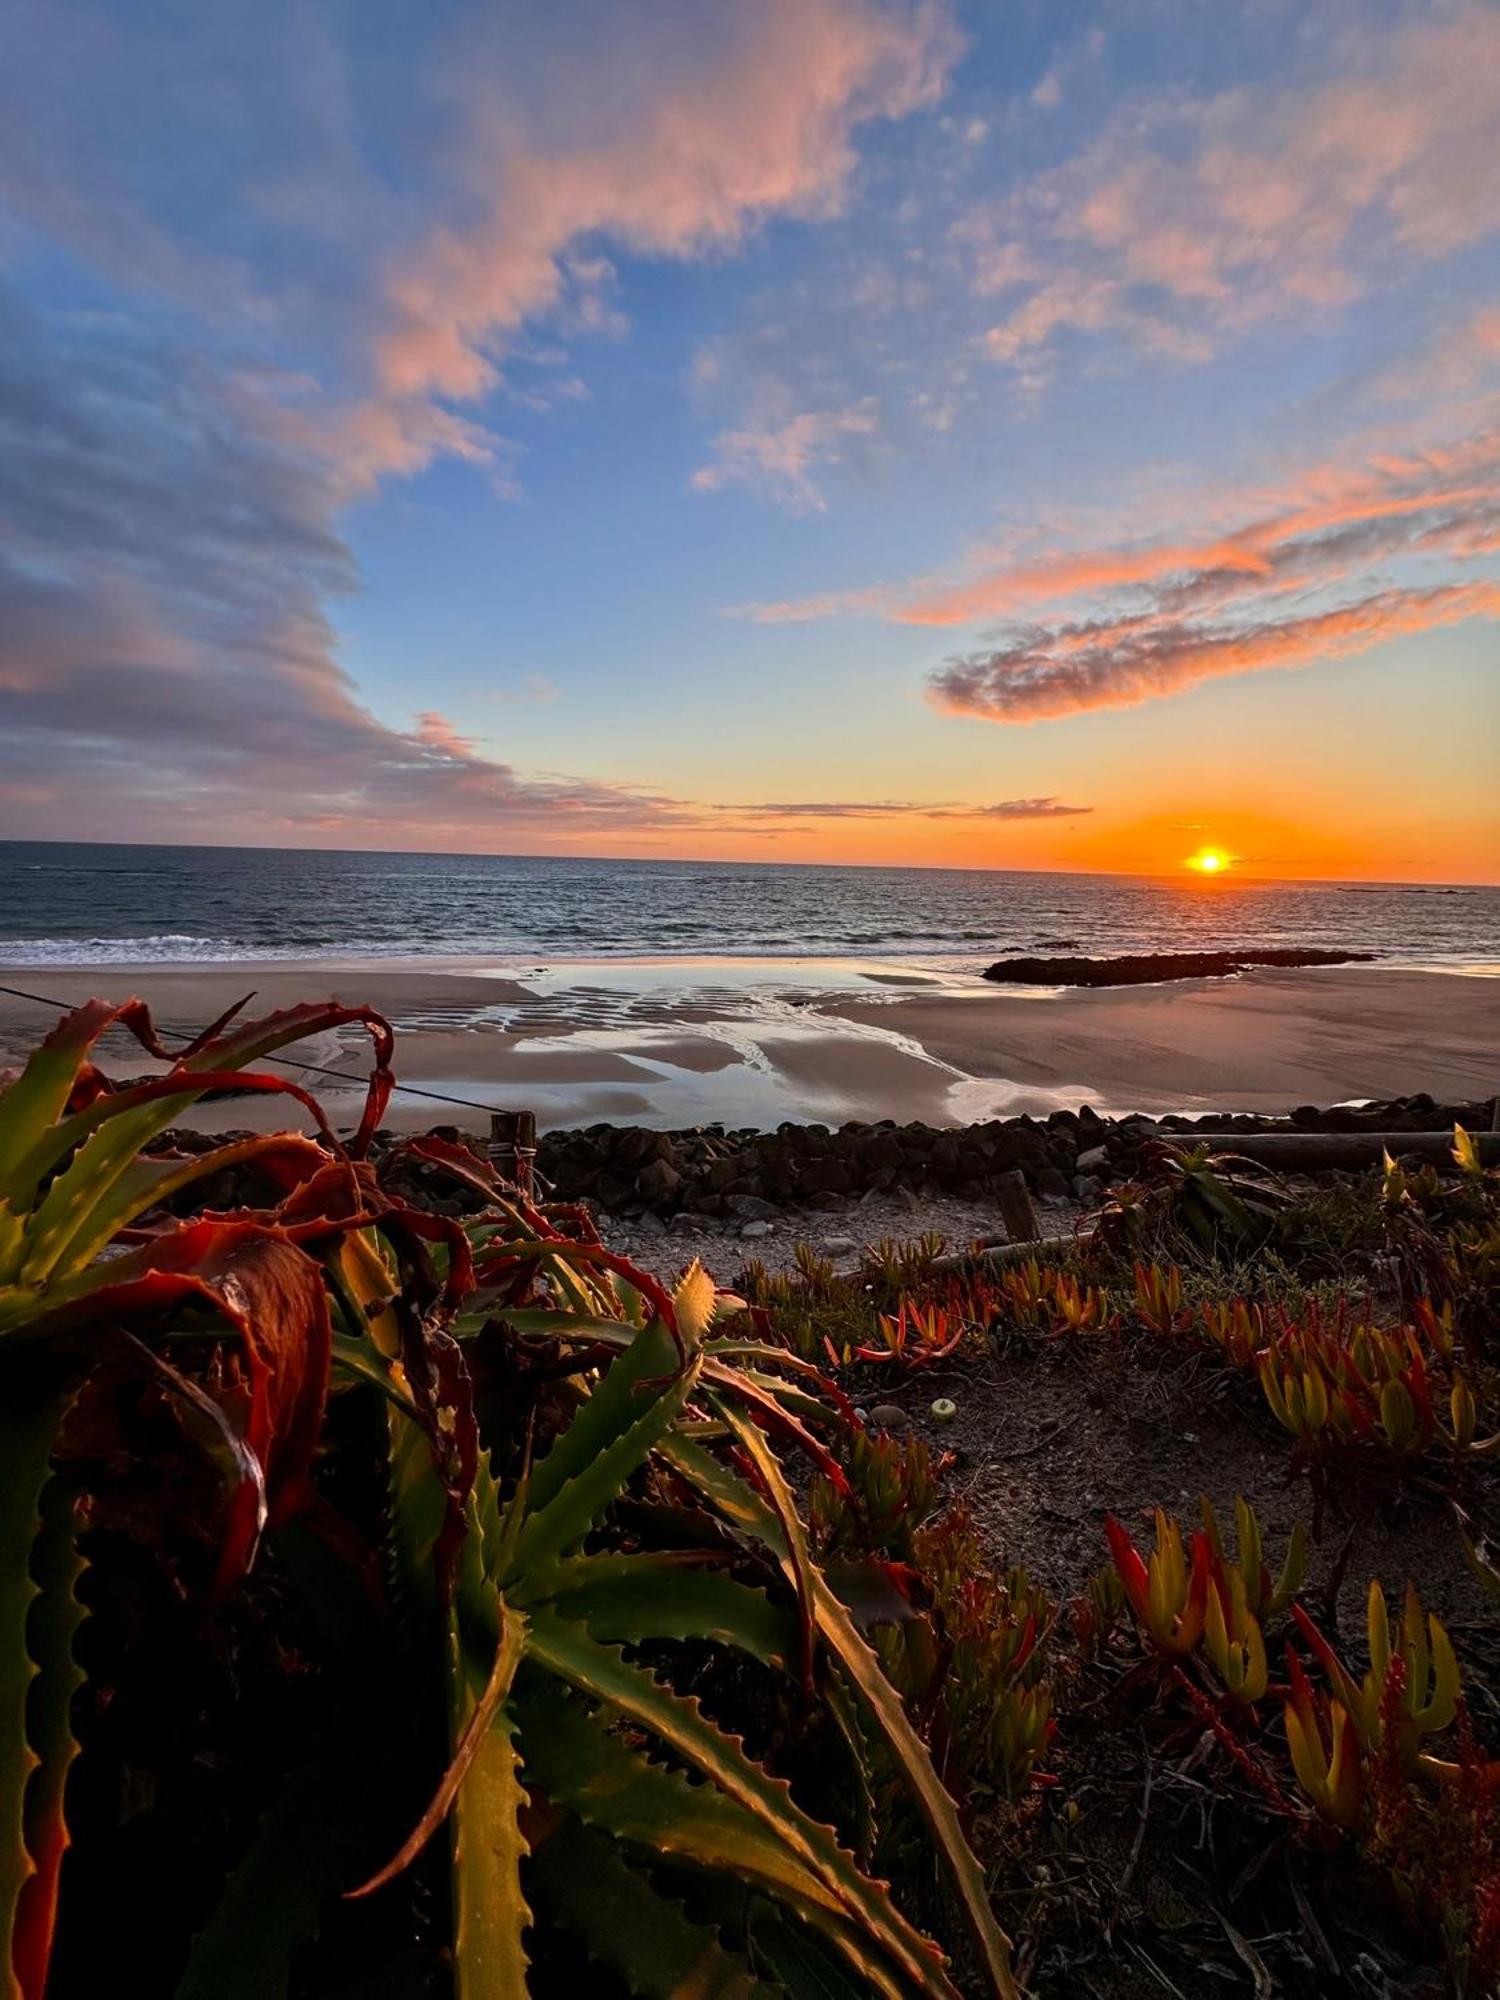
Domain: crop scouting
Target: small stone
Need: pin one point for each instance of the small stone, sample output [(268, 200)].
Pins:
[(753, 1231), (889, 1417), (1094, 1161), (839, 1246), (1087, 1187)]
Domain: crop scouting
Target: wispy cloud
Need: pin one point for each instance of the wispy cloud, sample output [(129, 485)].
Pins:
[(1191, 218), (780, 459), (1042, 673), (1041, 808)]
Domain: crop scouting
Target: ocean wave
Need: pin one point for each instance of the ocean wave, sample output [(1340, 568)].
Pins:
[(160, 947)]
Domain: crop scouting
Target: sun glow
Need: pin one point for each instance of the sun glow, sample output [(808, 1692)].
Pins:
[(1208, 861)]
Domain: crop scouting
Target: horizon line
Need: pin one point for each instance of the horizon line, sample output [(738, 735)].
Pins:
[(1235, 874)]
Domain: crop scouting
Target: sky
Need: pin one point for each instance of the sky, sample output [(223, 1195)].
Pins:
[(1016, 434)]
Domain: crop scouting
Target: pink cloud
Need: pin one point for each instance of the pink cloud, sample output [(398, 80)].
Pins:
[(780, 458), (682, 155), (1040, 675), (1190, 219)]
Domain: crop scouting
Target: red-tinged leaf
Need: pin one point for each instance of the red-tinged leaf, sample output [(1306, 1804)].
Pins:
[(1327, 1658), (39, 1095), (478, 1175), (214, 1424), (774, 1416), (508, 1656), (190, 1083), (1132, 1570), (273, 1295), (443, 1391)]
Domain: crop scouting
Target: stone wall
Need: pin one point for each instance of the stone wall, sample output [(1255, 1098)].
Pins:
[(747, 1173)]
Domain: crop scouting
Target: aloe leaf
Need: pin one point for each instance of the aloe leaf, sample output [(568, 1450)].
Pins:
[(580, 1763), (271, 1904), (106, 1186), (609, 1438), (798, 1558), (38, 1616), (625, 1922), (605, 1675), (734, 1499), (490, 1912), (39, 1095), (640, 1598), (52, 1628)]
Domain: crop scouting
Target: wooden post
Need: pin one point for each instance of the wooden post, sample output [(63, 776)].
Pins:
[(512, 1147), (1017, 1211)]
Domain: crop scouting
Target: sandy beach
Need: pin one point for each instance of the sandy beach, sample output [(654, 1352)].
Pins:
[(674, 1042)]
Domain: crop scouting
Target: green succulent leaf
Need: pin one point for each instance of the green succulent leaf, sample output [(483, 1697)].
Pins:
[(613, 1434), (735, 1500), (628, 1599), (625, 1922), (912, 1964), (39, 1615)]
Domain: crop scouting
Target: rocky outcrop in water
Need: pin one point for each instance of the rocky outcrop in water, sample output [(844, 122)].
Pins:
[(1150, 968)]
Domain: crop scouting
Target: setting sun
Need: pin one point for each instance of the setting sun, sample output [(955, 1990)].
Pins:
[(1208, 861)]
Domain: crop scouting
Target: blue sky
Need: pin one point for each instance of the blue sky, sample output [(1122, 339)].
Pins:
[(822, 429)]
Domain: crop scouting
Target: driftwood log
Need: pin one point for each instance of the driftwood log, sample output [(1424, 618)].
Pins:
[(1327, 1152)]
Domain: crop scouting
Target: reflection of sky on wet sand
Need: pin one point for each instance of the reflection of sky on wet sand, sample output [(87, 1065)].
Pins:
[(670, 1042)]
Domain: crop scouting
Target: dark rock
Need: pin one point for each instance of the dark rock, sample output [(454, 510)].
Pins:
[(889, 1417), (658, 1183), (1149, 968), (751, 1208)]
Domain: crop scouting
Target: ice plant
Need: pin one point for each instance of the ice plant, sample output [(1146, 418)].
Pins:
[(1265, 1595), (915, 1336), (1158, 1297), (1168, 1591), (1324, 1743), (1232, 1638), (1237, 1328), (1420, 1652)]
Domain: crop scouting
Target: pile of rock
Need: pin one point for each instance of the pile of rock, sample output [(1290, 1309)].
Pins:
[(750, 1174)]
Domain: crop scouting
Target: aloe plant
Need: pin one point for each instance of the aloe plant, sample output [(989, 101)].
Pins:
[(550, 1629), (79, 1278)]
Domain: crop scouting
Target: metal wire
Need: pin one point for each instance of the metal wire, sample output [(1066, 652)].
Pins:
[(288, 1062)]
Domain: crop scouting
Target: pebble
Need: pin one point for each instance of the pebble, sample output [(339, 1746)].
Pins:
[(753, 1231), (889, 1417), (839, 1246)]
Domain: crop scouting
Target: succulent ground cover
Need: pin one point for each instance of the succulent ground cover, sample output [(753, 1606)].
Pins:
[(1270, 1649), (403, 1593)]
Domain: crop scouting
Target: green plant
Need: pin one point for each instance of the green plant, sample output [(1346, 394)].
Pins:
[(86, 1280), (1204, 1202), (888, 1490), (1158, 1298), (1167, 1591), (583, 1503)]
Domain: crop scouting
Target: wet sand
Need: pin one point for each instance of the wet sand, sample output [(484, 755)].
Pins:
[(673, 1042)]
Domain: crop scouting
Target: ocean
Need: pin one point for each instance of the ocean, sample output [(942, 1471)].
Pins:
[(65, 904)]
